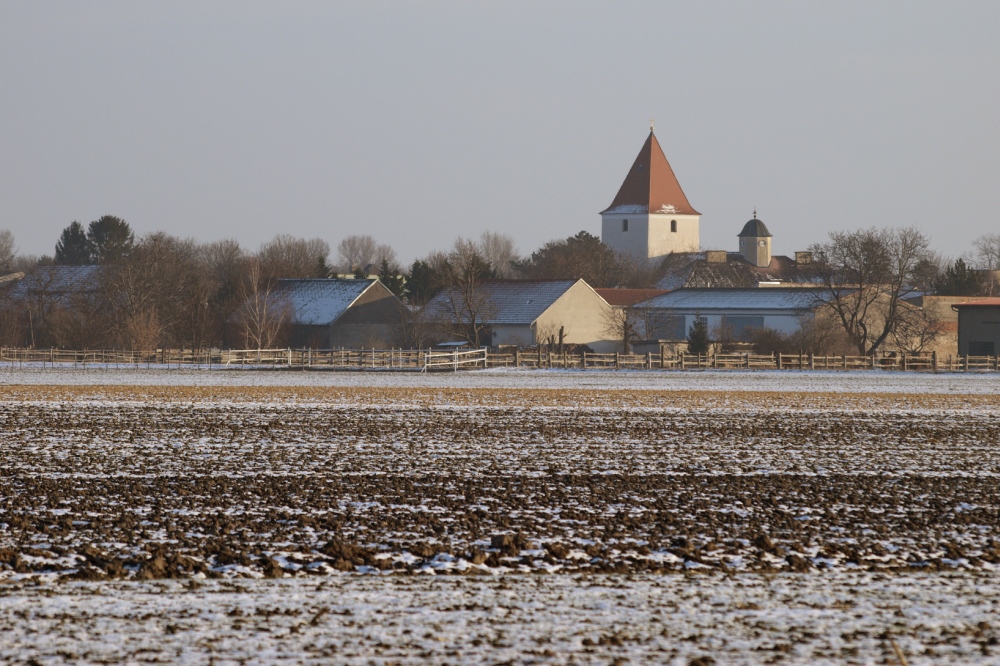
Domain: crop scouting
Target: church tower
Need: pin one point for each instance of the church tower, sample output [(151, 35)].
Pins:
[(650, 216)]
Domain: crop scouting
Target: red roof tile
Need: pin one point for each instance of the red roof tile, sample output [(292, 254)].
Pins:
[(624, 297), (978, 302), (651, 186)]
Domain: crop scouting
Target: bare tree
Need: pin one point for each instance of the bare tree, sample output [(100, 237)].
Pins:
[(867, 274), (628, 323), (988, 259), (289, 257), (356, 252), (465, 301), (918, 328), (8, 251), (385, 253), (263, 313), (499, 252)]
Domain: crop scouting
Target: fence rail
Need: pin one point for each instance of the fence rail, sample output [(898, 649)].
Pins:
[(432, 360)]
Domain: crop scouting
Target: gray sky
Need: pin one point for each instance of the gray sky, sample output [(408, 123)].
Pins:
[(420, 122)]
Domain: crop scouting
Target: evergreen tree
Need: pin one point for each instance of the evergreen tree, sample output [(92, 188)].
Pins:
[(388, 277), (73, 249), (697, 339), (959, 280), (110, 239), (422, 283)]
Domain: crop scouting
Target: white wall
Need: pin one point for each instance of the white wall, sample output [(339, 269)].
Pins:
[(650, 235)]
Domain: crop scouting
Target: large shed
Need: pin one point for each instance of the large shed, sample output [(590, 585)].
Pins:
[(737, 310), (978, 327), (329, 313)]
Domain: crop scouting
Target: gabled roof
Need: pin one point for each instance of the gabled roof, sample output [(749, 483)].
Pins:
[(626, 297), (320, 302), (651, 186), (58, 281), (511, 301), (768, 298)]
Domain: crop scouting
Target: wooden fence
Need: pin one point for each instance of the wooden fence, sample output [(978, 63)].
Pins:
[(431, 360)]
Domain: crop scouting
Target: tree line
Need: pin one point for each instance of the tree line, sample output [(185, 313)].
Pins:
[(163, 291)]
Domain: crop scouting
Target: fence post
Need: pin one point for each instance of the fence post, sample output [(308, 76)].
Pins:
[(904, 361), (812, 361), (649, 360), (934, 361), (618, 361), (779, 360)]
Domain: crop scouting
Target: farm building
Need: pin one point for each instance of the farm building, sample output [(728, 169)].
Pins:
[(978, 327), (341, 313), (737, 311), (528, 312)]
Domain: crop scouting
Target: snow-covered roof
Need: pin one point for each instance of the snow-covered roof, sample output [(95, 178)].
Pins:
[(320, 302), (511, 301), (764, 298), (57, 281)]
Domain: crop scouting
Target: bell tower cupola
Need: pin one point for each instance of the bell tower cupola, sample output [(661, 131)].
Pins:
[(755, 243)]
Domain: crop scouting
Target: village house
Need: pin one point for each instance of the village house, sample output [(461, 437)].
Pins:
[(528, 312), (349, 313)]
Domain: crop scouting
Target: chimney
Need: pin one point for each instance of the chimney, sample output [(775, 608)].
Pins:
[(803, 257), (715, 256)]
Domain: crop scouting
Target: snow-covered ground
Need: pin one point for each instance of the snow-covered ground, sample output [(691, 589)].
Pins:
[(658, 517), (706, 380), (842, 618)]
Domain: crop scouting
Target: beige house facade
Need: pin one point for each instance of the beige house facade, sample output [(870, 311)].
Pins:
[(525, 313)]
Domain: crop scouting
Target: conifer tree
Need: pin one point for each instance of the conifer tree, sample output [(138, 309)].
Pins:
[(698, 336)]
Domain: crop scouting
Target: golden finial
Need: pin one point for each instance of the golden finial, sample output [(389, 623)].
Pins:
[(650, 124)]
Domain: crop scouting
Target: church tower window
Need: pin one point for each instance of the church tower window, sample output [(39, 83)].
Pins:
[(673, 225), (624, 225)]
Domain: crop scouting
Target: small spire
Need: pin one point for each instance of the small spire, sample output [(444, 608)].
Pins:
[(755, 212), (650, 124)]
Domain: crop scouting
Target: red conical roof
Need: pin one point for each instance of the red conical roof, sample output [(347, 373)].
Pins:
[(651, 186)]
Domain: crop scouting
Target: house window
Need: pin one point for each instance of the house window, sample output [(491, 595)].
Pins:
[(624, 225), (673, 225)]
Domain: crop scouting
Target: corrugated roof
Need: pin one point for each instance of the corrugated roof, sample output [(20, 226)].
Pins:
[(511, 301), (651, 186), (320, 302), (770, 298)]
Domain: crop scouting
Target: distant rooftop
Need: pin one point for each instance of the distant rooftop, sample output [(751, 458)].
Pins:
[(513, 301), (319, 302), (772, 298)]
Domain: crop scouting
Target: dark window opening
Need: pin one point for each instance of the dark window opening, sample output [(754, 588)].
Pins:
[(673, 225), (624, 225)]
